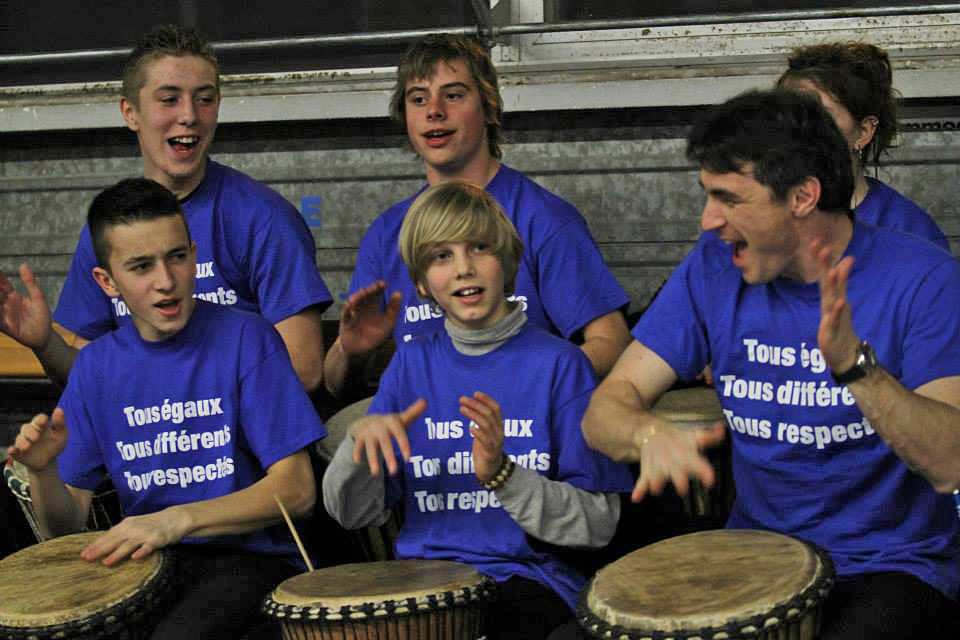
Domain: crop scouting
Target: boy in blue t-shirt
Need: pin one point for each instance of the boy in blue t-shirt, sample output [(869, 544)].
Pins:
[(486, 417), (194, 411), (254, 251)]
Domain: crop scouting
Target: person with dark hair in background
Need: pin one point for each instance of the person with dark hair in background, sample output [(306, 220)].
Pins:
[(854, 82), (254, 251), (447, 100), (835, 347), (201, 437)]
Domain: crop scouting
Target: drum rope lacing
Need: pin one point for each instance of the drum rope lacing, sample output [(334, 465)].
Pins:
[(753, 627), (387, 609)]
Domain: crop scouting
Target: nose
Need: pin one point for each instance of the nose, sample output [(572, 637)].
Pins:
[(464, 264), (164, 280), (188, 112), (435, 110), (712, 217)]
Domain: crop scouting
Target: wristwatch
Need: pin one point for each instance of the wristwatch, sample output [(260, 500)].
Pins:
[(864, 365)]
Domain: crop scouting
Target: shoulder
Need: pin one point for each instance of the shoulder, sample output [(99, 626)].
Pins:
[(526, 200), (535, 344), (236, 186), (913, 256), (386, 226)]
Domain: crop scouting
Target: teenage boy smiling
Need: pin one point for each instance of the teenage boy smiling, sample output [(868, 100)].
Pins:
[(209, 498), (255, 251), (447, 100)]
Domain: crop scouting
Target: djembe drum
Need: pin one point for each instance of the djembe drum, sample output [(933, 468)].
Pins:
[(698, 408), (710, 585), (394, 600), (48, 592)]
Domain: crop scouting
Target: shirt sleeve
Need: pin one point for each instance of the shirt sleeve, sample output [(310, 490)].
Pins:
[(575, 462), (283, 268), (81, 464), (278, 417), (573, 280), (369, 261), (673, 326), (559, 513), (931, 347), (351, 495), (83, 307)]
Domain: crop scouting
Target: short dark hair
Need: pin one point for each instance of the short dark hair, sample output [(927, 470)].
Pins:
[(130, 200), (164, 40), (859, 77), (784, 136), (421, 59)]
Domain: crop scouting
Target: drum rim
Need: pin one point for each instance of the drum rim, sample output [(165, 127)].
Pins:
[(779, 616), (463, 597), (153, 592)]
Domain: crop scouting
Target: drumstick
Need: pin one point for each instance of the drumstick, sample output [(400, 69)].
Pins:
[(293, 530)]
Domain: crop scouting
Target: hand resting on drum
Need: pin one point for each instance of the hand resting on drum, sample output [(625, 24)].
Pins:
[(373, 436)]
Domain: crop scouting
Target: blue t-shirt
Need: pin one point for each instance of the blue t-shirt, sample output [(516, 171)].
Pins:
[(562, 282), (542, 384), (198, 416), (885, 207), (806, 461), (254, 252)]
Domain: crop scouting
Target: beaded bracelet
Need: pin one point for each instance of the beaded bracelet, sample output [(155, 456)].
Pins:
[(502, 475)]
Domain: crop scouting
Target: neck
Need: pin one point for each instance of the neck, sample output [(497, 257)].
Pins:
[(476, 342), (860, 190), (833, 231), (478, 173), (180, 187)]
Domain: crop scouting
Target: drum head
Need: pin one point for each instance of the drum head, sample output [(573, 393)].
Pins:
[(337, 427), (708, 580), (371, 583), (49, 584), (696, 404)]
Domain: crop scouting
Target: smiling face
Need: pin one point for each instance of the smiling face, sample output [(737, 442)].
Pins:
[(467, 281), (152, 267), (175, 118), (762, 230), (447, 126)]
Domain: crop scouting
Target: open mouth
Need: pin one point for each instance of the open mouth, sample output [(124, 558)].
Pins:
[(438, 135), (468, 292), (184, 143), (168, 307)]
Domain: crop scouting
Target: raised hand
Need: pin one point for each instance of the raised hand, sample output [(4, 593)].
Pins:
[(25, 318), (40, 441), (363, 325), (487, 432), (835, 336), (670, 454), (375, 434)]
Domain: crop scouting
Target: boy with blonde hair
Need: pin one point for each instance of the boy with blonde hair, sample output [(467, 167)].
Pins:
[(486, 417)]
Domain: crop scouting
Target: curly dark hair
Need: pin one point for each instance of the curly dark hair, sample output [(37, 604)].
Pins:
[(859, 77)]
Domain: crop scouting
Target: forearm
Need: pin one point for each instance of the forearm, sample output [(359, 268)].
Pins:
[(58, 511), (602, 352), (557, 512), (614, 420), (339, 368), (302, 334), (352, 496), (254, 507), (56, 357), (922, 431)]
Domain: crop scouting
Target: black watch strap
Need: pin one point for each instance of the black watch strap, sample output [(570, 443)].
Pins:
[(864, 365)]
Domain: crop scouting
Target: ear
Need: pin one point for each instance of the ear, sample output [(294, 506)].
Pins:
[(105, 280), (804, 197), (130, 113), (423, 292), (868, 129)]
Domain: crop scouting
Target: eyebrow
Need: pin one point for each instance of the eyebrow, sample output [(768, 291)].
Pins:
[(449, 85), (135, 259), (173, 87)]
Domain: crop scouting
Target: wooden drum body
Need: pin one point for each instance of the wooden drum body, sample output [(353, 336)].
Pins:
[(48, 591), (698, 408), (395, 600), (710, 585)]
